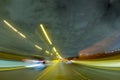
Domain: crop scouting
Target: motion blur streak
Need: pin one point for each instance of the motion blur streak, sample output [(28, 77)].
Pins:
[(6, 65), (9, 25), (59, 70), (105, 64), (46, 34), (50, 42), (22, 35), (47, 52), (38, 47), (54, 49), (11, 68)]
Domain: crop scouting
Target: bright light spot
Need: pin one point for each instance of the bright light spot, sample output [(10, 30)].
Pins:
[(34, 63), (56, 60), (38, 47), (46, 34), (68, 62)]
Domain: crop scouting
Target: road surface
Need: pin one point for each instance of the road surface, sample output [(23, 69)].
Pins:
[(61, 71)]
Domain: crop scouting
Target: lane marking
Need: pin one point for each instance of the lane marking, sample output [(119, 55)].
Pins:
[(45, 72), (11, 68), (81, 75), (101, 67)]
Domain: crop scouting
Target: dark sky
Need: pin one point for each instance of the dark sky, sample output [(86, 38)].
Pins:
[(73, 25)]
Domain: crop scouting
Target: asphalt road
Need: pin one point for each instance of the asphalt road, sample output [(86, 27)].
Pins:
[(61, 71)]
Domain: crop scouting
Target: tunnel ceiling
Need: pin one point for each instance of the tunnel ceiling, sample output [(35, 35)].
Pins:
[(72, 25)]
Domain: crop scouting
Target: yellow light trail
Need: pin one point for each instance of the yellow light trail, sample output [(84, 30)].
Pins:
[(54, 49), (12, 68), (56, 52), (47, 52), (10, 26), (21, 34), (38, 47), (59, 56), (51, 54), (46, 34)]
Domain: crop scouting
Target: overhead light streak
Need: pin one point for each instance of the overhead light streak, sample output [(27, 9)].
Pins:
[(47, 52), (21, 34), (58, 55), (51, 54), (45, 33), (38, 47), (54, 49), (10, 26)]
